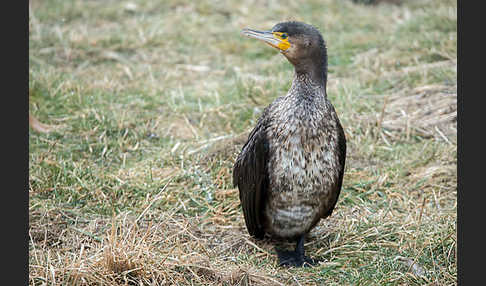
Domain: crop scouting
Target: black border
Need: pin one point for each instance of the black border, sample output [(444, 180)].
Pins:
[(14, 25), (470, 191)]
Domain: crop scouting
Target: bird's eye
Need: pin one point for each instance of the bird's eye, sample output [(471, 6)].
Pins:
[(284, 36)]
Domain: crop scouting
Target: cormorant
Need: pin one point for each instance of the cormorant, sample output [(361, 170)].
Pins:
[(290, 171)]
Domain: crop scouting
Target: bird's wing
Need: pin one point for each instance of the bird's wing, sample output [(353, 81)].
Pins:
[(250, 175), (341, 154)]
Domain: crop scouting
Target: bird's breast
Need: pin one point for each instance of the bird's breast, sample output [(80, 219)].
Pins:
[(302, 168)]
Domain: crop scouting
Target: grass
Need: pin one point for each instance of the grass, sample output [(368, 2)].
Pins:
[(148, 104)]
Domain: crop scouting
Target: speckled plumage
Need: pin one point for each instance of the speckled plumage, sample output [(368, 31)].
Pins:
[(290, 171), (303, 134)]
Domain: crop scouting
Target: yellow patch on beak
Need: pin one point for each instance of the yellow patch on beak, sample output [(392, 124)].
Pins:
[(284, 43)]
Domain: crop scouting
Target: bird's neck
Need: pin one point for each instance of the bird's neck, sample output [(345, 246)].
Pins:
[(307, 87), (312, 72), (310, 78)]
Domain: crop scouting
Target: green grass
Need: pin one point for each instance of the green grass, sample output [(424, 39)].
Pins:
[(153, 102)]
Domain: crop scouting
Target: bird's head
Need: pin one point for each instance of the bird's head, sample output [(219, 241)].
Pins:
[(301, 43)]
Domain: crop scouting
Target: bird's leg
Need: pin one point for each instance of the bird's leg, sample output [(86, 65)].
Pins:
[(295, 258)]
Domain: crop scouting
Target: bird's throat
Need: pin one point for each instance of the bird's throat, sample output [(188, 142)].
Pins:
[(312, 72)]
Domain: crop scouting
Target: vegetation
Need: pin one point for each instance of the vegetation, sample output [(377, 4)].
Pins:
[(146, 105)]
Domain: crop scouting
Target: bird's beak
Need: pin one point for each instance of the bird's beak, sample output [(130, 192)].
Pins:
[(272, 38)]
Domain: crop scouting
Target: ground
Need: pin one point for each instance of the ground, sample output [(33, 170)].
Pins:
[(143, 106)]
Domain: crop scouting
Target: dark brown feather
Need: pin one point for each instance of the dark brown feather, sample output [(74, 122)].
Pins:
[(341, 153), (250, 175)]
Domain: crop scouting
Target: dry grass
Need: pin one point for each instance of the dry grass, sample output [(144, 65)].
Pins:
[(145, 106), (426, 111), (165, 249)]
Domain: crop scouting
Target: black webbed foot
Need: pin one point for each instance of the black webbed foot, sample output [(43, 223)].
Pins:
[(295, 258), (292, 258)]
